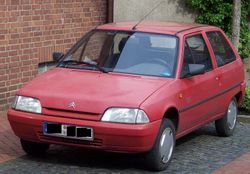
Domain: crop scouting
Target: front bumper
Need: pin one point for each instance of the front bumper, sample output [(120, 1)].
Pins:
[(114, 137)]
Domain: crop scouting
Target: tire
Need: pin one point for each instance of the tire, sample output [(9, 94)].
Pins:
[(34, 149), (157, 158), (226, 125)]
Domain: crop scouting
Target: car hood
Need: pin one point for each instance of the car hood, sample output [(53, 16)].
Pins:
[(91, 91)]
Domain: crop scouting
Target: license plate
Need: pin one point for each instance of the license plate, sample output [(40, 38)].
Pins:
[(68, 131)]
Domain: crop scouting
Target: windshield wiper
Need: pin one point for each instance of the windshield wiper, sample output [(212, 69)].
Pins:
[(69, 63)]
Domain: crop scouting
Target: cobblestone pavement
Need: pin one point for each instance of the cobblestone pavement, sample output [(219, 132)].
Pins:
[(9, 144), (199, 152)]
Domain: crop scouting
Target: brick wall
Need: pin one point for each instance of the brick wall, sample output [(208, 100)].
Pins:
[(30, 30)]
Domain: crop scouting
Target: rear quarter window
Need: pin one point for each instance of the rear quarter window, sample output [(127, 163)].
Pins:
[(222, 50)]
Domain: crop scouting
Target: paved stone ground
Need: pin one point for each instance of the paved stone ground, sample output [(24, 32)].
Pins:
[(199, 152), (9, 144)]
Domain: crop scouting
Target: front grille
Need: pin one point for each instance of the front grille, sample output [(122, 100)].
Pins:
[(70, 111), (71, 114), (57, 140)]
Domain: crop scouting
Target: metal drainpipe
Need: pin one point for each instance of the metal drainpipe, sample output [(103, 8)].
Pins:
[(110, 11)]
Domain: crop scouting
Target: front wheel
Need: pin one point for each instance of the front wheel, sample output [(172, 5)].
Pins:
[(226, 125), (33, 148), (159, 157)]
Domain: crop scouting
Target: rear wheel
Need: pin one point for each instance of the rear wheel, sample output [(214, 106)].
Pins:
[(226, 125), (33, 148), (159, 157)]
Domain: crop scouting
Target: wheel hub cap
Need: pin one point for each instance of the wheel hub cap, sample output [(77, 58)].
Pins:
[(231, 115), (166, 145)]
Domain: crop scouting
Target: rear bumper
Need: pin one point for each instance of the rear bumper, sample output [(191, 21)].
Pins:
[(107, 136)]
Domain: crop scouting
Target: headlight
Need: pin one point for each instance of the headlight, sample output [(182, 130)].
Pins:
[(125, 115), (27, 104)]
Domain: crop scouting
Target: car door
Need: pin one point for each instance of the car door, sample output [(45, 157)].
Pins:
[(229, 67), (198, 103)]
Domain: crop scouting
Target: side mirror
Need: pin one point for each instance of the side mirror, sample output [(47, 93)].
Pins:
[(57, 56), (193, 70), (196, 69)]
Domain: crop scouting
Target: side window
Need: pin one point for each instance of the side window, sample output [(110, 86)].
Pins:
[(199, 51), (222, 50), (196, 52)]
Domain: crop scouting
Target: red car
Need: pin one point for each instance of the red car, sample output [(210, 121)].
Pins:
[(134, 89)]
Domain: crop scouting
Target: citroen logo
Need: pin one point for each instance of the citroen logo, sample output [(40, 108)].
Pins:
[(72, 105)]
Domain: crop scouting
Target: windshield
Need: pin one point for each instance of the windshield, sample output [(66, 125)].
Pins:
[(125, 52)]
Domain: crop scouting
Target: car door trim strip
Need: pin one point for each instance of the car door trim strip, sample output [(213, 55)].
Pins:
[(210, 98)]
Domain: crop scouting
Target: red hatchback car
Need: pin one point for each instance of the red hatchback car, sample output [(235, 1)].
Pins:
[(133, 88)]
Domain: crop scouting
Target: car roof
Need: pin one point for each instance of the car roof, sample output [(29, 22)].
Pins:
[(155, 27)]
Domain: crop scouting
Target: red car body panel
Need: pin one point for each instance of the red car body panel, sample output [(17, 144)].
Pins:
[(198, 99), (151, 27), (93, 90)]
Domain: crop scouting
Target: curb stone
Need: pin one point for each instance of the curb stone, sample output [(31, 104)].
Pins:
[(244, 116)]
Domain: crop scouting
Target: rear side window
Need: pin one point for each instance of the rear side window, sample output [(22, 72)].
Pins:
[(222, 50), (196, 52)]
